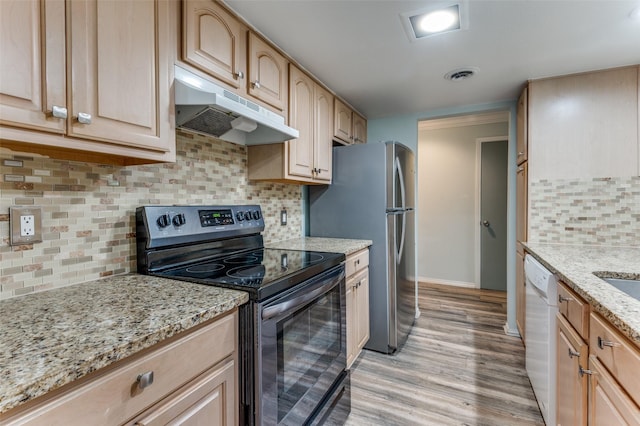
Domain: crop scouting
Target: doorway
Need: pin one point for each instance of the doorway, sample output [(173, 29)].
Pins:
[(448, 191), (492, 155)]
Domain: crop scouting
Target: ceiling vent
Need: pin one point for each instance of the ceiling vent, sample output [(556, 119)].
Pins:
[(461, 74)]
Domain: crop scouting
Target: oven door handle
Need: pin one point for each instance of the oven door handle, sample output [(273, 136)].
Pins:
[(272, 311)]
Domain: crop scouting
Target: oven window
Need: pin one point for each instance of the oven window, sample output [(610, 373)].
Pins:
[(308, 343)]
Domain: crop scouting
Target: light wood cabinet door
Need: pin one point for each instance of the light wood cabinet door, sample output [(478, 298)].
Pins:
[(267, 73), (32, 69), (350, 299), (323, 144), (357, 296), (522, 141), (609, 404), (571, 385), (207, 400), (362, 303), (342, 122), (122, 92), (522, 201), (521, 304), (301, 117), (584, 125), (214, 41), (359, 128)]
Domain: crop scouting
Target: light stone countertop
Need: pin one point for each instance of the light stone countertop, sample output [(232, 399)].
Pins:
[(575, 265), (332, 245), (52, 338)]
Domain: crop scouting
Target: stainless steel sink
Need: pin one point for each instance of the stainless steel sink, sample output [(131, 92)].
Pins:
[(631, 287)]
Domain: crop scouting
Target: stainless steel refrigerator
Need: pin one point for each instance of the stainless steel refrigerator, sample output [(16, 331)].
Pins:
[(373, 197)]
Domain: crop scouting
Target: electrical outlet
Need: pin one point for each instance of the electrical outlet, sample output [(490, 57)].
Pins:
[(283, 217), (25, 224)]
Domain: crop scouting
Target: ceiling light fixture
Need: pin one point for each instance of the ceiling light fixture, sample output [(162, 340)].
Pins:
[(438, 18), (438, 21)]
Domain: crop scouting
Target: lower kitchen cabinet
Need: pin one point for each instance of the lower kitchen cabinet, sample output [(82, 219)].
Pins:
[(572, 355), (208, 400), (357, 297), (609, 404), (597, 381), (190, 378)]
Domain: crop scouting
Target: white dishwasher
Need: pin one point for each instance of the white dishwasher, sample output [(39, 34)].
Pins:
[(540, 338)]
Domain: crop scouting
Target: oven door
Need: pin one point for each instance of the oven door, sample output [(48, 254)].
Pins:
[(302, 349)]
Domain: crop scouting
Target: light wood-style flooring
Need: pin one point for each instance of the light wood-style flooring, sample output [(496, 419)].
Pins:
[(457, 368)]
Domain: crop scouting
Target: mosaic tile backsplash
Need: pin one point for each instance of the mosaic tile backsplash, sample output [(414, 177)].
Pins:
[(88, 209), (604, 211)]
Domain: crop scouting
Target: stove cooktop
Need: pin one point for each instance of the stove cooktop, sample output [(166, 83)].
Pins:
[(261, 272)]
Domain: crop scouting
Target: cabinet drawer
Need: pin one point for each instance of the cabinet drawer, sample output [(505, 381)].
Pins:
[(114, 396), (609, 404), (574, 309), (357, 262), (618, 355)]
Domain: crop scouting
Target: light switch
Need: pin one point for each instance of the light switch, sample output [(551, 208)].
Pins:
[(283, 217)]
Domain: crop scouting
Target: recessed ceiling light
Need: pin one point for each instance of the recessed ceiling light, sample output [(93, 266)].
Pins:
[(438, 18), (437, 21), (461, 74)]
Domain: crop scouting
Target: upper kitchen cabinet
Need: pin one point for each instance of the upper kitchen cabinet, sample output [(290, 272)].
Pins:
[(521, 127), (584, 125), (359, 124), (32, 72), (267, 73), (349, 126), (308, 158), (215, 42), (92, 82)]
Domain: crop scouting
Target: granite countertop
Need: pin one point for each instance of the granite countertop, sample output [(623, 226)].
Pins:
[(52, 338), (575, 266), (333, 245)]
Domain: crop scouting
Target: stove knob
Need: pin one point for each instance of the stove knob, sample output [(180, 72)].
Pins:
[(179, 219), (240, 216), (163, 221), (256, 215)]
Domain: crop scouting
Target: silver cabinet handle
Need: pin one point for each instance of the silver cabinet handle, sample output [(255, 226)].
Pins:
[(84, 118), (239, 75), (573, 353), (59, 112), (562, 299), (145, 380), (256, 84), (602, 343), (520, 169), (486, 223), (520, 153)]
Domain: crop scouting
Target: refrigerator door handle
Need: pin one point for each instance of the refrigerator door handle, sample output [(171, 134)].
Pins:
[(401, 180), (401, 248)]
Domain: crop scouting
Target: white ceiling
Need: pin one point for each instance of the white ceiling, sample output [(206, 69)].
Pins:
[(360, 50)]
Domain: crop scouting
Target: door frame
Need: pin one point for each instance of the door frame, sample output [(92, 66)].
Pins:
[(477, 215)]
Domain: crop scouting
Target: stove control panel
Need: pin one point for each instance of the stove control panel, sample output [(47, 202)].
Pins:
[(168, 225)]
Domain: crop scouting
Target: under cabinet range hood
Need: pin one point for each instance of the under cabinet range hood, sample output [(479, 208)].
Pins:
[(204, 107)]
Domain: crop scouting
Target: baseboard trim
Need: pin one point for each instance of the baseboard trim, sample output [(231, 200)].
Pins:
[(510, 332), (447, 282)]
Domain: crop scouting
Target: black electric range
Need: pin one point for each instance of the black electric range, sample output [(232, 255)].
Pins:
[(223, 246)]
